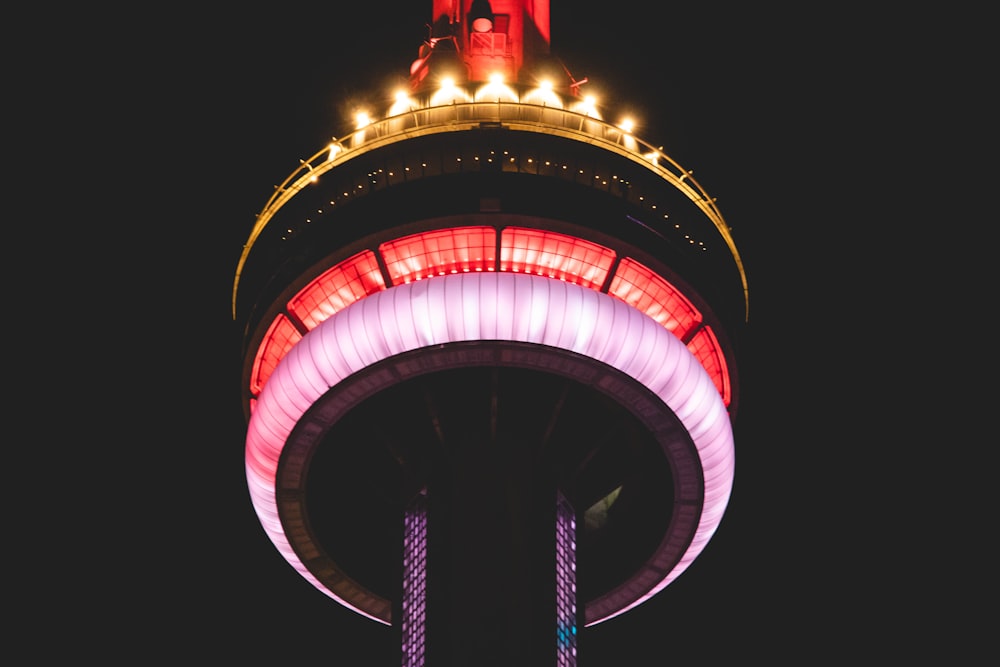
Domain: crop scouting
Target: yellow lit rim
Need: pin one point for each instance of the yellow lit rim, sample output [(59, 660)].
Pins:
[(466, 116)]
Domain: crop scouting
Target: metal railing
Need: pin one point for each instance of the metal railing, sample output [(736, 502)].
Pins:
[(460, 116)]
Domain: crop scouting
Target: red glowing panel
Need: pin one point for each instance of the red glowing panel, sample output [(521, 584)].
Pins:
[(440, 252), (705, 348), (281, 336), (347, 282), (555, 255), (639, 287)]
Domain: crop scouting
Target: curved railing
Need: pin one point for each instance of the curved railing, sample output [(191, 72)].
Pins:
[(459, 116)]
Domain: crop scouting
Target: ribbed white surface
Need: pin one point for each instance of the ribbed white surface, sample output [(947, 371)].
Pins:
[(490, 306)]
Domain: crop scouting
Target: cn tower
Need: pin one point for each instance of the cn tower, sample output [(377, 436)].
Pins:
[(490, 348)]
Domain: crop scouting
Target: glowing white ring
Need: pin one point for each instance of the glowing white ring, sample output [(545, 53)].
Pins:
[(491, 306)]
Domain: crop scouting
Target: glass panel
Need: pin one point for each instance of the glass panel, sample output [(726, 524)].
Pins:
[(705, 347), (643, 289), (555, 255), (438, 253), (347, 282), (281, 336)]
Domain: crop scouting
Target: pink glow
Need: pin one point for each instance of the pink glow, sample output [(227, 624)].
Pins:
[(500, 306)]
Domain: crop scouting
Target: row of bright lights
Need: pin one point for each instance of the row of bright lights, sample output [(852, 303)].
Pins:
[(495, 90)]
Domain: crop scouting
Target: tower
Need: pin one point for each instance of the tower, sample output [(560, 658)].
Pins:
[(490, 355)]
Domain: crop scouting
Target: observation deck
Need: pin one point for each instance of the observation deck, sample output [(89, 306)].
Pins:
[(489, 107), (494, 207)]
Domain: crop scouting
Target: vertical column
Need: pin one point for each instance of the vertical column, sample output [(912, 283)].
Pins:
[(491, 544), (413, 621), (566, 620)]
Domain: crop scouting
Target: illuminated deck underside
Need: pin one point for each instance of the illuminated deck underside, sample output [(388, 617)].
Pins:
[(410, 296), (598, 330)]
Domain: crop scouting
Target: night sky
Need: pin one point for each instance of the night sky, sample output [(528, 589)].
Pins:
[(232, 101)]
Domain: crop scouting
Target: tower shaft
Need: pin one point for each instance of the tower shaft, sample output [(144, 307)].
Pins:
[(491, 565)]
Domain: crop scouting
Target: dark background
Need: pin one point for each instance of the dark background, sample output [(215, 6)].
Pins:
[(191, 116)]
